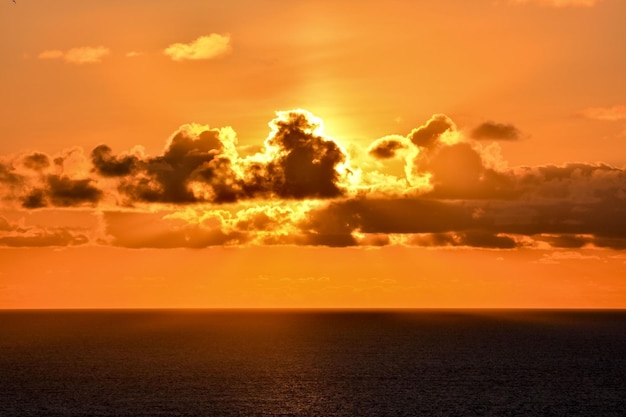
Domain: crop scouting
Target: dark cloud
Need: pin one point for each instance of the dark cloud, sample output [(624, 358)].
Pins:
[(12, 184), (305, 162), (167, 178), (495, 131), (617, 243), (204, 166), (564, 240), (427, 135), (387, 215), (36, 161), (108, 165), (8, 176), (471, 238), (35, 199), (61, 191), (66, 192), (481, 223), (385, 148), (484, 239)]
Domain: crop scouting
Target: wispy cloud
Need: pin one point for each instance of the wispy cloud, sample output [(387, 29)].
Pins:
[(51, 54), (559, 3), (205, 47), (82, 55), (605, 113)]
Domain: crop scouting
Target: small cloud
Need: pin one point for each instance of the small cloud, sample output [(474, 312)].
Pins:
[(387, 147), (605, 113), (205, 47), (86, 55), (428, 134), (82, 55), (133, 54), (495, 131), (559, 3)]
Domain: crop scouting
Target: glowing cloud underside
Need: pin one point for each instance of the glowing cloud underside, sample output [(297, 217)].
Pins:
[(302, 188)]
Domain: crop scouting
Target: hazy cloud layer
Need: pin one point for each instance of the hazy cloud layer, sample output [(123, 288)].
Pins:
[(82, 55), (300, 187), (204, 47)]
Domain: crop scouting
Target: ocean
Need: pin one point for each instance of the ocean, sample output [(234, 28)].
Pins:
[(313, 363)]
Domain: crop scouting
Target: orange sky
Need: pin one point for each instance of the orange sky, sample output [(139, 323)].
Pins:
[(419, 154)]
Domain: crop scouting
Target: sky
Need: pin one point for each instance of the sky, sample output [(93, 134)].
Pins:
[(313, 154)]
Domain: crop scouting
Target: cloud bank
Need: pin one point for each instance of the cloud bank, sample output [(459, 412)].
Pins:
[(302, 188)]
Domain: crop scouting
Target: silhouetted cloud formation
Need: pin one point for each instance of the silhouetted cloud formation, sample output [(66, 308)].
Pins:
[(300, 188), (109, 165), (194, 153), (200, 164), (495, 131), (62, 191), (304, 163), (473, 238), (36, 161)]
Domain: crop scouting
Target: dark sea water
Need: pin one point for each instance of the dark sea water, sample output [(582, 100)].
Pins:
[(251, 363)]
